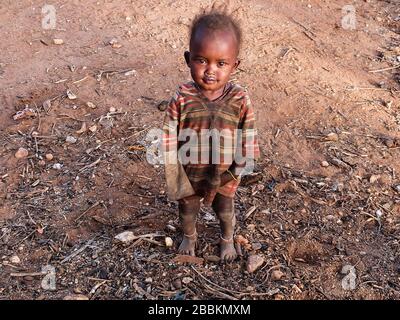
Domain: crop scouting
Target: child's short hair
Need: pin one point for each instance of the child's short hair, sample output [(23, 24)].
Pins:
[(216, 21)]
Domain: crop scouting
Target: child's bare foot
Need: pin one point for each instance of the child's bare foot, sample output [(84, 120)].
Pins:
[(227, 250), (188, 244)]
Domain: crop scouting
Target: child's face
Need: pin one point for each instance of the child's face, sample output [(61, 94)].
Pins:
[(212, 59)]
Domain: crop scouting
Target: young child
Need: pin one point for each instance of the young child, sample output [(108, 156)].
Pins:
[(210, 103)]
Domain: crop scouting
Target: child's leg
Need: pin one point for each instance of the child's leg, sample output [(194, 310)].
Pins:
[(189, 207), (224, 208)]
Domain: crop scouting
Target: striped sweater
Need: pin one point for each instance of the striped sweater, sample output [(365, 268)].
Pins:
[(203, 139)]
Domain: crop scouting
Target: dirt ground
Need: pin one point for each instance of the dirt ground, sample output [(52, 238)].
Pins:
[(325, 195)]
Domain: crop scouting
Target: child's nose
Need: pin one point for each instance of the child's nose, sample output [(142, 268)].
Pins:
[(211, 68)]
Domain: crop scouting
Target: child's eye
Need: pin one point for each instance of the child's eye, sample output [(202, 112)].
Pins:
[(202, 61), (221, 64)]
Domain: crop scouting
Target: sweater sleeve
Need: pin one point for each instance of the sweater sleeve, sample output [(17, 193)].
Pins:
[(247, 148), (178, 184)]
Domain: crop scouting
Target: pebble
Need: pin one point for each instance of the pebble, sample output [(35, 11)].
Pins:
[(112, 109), (21, 153), (49, 157), (70, 139), (171, 227), (148, 280), (182, 259), (187, 280), (93, 128), (42, 163), (397, 188), (71, 95), (125, 236), (91, 105), (57, 166), (374, 178), (212, 258), (325, 164), (332, 137), (169, 242), (15, 260), (254, 262), (58, 41), (277, 275)]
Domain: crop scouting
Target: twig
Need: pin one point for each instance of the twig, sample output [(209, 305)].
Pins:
[(87, 210), (384, 69), (219, 293), (80, 80), (96, 286), (248, 213), (75, 253), (71, 117), (39, 119), (90, 165), (27, 274), (216, 285)]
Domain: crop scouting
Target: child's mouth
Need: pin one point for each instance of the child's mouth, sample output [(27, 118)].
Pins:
[(209, 80)]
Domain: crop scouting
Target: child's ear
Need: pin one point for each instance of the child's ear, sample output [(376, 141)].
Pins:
[(187, 57)]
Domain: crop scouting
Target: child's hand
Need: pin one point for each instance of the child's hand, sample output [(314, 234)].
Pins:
[(226, 177)]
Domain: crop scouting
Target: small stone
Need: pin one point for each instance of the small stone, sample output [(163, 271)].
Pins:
[(332, 137), (112, 109), (171, 227), (21, 153), (91, 105), (15, 260), (330, 217), (325, 164), (130, 73), (125, 236), (254, 262), (379, 213), (58, 41), (57, 166), (187, 280), (71, 95), (169, 242), (35, 134), (42, 163), (181, 259), (49, 157), (93, 128), (76, 297), (374, 178), (116, 45), (277, 275), (212, 258), (397, 188), (70, 139), (148, 280)]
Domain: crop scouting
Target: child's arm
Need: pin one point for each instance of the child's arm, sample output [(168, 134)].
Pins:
[(247, 145), (178, 184)]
